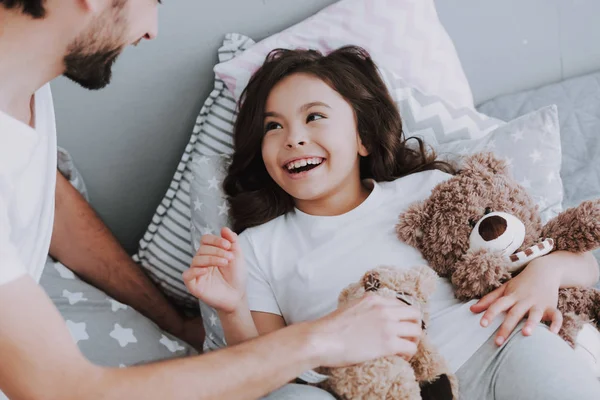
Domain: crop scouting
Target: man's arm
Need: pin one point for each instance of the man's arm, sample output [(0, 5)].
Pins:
[(40, 360), (82, 242)]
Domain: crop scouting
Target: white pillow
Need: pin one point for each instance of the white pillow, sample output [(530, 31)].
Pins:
[(404, 36)]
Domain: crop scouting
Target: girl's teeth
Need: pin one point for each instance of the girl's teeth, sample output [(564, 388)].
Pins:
[(303, 163)]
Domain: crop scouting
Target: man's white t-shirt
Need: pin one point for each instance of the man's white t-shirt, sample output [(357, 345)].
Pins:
[(27, 187), (299, 263)]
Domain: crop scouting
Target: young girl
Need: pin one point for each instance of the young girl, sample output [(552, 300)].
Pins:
[(320, 173)]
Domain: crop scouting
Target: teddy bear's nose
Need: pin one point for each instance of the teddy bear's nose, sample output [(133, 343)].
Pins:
[(492, 227)]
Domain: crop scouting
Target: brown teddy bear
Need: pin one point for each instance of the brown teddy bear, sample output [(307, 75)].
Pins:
[(425, 376), (480, 227)]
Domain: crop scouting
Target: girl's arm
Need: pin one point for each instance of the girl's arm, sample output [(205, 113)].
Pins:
[(573, 269), (243, 324)]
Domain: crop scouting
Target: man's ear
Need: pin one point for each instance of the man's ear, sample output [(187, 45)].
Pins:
[(410, 224)]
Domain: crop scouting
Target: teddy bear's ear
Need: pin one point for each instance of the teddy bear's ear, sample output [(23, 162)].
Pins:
[(485, 163), (410, 224)]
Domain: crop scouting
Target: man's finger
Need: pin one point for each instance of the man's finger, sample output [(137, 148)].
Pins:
[(535, 316), (499, 306), (488, 300)]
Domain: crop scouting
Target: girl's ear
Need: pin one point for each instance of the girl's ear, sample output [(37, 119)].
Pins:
[(362, 150)]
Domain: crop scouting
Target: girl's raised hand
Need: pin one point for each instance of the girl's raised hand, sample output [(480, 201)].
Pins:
[(217, 274)]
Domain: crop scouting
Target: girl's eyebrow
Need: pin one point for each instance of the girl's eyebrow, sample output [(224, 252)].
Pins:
[(304, 108), (313, 104)]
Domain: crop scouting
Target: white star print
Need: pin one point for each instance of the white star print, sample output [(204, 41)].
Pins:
[(551, 177), (492, 144), (211, 337), (213, 183), (223, 208), (213, 320), (172, 345), (123, 335), (509, 161), (77, 331), (197, 205), (536, 156), (116, 306), (63, 271), (192, 228), (122, 366), (517, 136), (464, 151), (526, 183), (202, 160), (73, 298), (206, 230)]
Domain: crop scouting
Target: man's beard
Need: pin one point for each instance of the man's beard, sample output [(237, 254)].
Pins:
[(92, 71)]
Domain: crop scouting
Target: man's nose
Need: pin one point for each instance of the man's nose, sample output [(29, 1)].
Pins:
[(153, 30)]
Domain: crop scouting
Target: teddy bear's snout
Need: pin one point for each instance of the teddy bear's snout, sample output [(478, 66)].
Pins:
[(498, 231), (492, 227)]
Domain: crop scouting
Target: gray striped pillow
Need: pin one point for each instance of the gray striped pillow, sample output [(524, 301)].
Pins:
[(165, 250)]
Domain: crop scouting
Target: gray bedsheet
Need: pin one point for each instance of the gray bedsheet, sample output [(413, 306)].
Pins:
[(578, 101)]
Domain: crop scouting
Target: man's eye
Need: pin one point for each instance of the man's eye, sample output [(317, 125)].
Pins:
[(272, 125), (314, 117)]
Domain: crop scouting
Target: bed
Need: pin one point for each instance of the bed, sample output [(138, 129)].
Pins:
[(518, 57)]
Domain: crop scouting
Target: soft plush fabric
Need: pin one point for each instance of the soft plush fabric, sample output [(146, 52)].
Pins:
[(107, 332), (578, 102), (531, 145), (405, 36), (165, 250)]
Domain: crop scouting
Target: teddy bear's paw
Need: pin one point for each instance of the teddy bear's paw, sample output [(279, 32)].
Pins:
[(478, 273)]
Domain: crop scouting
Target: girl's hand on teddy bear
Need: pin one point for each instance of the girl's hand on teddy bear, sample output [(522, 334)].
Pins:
[(532, 293)]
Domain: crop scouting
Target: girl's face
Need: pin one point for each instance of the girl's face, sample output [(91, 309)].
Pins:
[(311, 147)]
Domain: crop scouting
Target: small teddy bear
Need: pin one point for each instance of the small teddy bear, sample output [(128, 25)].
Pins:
[(425, 376), (480, 227)]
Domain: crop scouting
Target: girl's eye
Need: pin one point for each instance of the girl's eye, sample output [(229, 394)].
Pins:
[(271, 126), (314, 117)]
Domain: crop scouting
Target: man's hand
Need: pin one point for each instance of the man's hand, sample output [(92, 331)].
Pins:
[(367, 329)]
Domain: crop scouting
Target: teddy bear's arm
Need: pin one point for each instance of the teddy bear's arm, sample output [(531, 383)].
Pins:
[(478, 273), (576, 229)]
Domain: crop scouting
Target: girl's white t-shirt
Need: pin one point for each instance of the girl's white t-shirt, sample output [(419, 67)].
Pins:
[(27, 187), (299, 263)]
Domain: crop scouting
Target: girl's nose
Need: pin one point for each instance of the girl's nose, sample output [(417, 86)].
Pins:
[(291, 144)]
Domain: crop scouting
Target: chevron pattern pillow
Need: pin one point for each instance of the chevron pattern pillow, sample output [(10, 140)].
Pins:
[(432, 118), (404, 36)]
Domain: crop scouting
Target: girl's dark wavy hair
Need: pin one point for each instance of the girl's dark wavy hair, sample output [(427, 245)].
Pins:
[(253, 196), (35, 8)]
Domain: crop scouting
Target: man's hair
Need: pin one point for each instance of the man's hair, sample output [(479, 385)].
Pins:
[(35, 8)]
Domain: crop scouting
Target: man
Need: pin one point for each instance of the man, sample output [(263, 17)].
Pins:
[(40, 40)]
